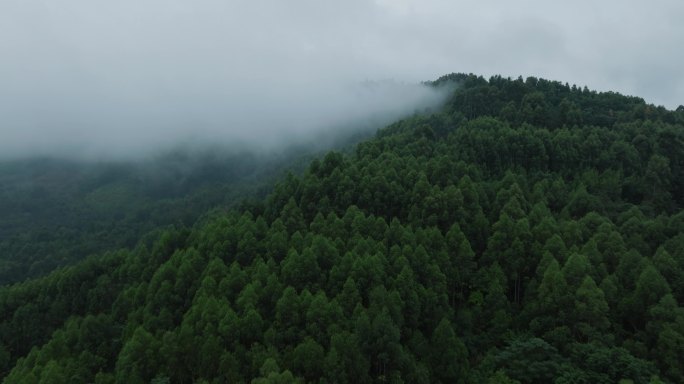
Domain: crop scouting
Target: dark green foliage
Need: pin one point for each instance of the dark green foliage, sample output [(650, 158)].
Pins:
[(529, 360), (529, 232), (55, 213)]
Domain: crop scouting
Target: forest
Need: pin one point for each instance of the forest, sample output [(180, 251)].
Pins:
[(55, 212), (529, 231)]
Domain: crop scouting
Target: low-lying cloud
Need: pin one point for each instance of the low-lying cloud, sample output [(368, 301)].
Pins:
[(127, 77), (109, 123)]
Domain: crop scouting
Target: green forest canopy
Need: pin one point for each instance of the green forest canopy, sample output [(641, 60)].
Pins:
[(529, 232), (56, 212)]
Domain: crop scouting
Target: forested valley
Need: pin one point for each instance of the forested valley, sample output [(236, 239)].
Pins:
[(527, 232)]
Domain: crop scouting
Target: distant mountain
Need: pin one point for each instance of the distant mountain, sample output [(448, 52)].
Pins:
[(55, 212), (528, 232)]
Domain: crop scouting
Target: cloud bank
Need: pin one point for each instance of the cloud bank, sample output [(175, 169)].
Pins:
[(123, 78), (126, 78)]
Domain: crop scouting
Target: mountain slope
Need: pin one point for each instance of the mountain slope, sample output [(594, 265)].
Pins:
[(56, 212), (530, 232)]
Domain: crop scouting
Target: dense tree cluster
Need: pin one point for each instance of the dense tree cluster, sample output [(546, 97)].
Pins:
[(530, 232), (55, 212)]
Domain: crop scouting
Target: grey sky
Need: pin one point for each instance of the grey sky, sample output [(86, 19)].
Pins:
[(121, 77)]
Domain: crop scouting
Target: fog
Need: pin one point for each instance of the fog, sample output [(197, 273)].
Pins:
[(98, 79), (125, 78), (87, 123)]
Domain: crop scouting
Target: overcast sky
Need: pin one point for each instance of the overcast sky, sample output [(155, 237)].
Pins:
[(125, 76)]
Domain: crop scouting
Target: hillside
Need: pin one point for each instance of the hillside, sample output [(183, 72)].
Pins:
[(56, 212), (530, 232)]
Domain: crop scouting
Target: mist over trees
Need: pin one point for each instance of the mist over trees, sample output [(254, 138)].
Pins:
[(56, 211), (528, 232), (267, 116)]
